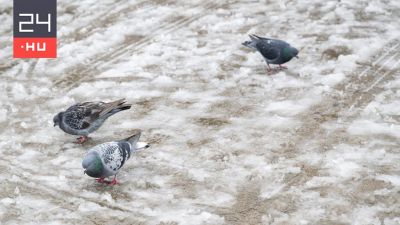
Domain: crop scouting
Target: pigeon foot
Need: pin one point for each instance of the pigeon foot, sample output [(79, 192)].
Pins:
[(282, 67), (81, 140), (113, 182), (272, 71), (101, 180)]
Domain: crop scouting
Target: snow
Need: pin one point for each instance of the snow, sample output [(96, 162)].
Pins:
[(363, 127), (315, 144)]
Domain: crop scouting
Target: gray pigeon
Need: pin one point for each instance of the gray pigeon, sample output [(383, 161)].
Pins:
[(274, 51), (106, 159), (84, 118)]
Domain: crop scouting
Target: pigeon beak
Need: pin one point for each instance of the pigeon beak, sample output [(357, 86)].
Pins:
[(84, 172), (296, 56), (54, 125)]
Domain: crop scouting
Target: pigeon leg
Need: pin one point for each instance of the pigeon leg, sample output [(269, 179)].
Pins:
[(100, 180), (269, 69), (114, 181), (81, 140)]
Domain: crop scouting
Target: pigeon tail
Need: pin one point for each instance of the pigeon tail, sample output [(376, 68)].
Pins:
[(252, 43), (256, 37), (132, 139), (142, 145), (114, 107), (134, 142), (120, 108), (122, 104)]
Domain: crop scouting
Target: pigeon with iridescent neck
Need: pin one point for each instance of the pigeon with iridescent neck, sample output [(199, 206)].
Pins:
[(107, 159), (274, 51), (85, 118)]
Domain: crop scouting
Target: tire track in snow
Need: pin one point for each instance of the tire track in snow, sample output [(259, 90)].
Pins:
[(335, 106), (130, 46), (66, 199), (141, 42), (81, 73), (359, 89), (103, 21), (248, 208)]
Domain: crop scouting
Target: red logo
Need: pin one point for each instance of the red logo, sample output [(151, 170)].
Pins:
[(35, 47)]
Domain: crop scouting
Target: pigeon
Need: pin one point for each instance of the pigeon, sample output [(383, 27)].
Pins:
[(84, 118), (274, 51), (106, 159)]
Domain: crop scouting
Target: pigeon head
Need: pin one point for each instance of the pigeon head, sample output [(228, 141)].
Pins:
[(295, 52), (93, 165), (290, 52), (57, 119)]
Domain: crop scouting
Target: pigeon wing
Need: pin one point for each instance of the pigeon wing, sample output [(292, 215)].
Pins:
[(102, 108), (113, 156), (76, 117), (268, 51), (87, 112)]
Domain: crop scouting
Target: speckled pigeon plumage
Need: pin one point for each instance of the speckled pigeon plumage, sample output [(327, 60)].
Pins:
[(107, 159), (274, 51), (84, 118)]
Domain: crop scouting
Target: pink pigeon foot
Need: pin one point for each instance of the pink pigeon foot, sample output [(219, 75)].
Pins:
[(81, 140), (101, 180), (282, 67)]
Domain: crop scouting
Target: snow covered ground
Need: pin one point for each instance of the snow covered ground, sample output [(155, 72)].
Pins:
[(315, 144)]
